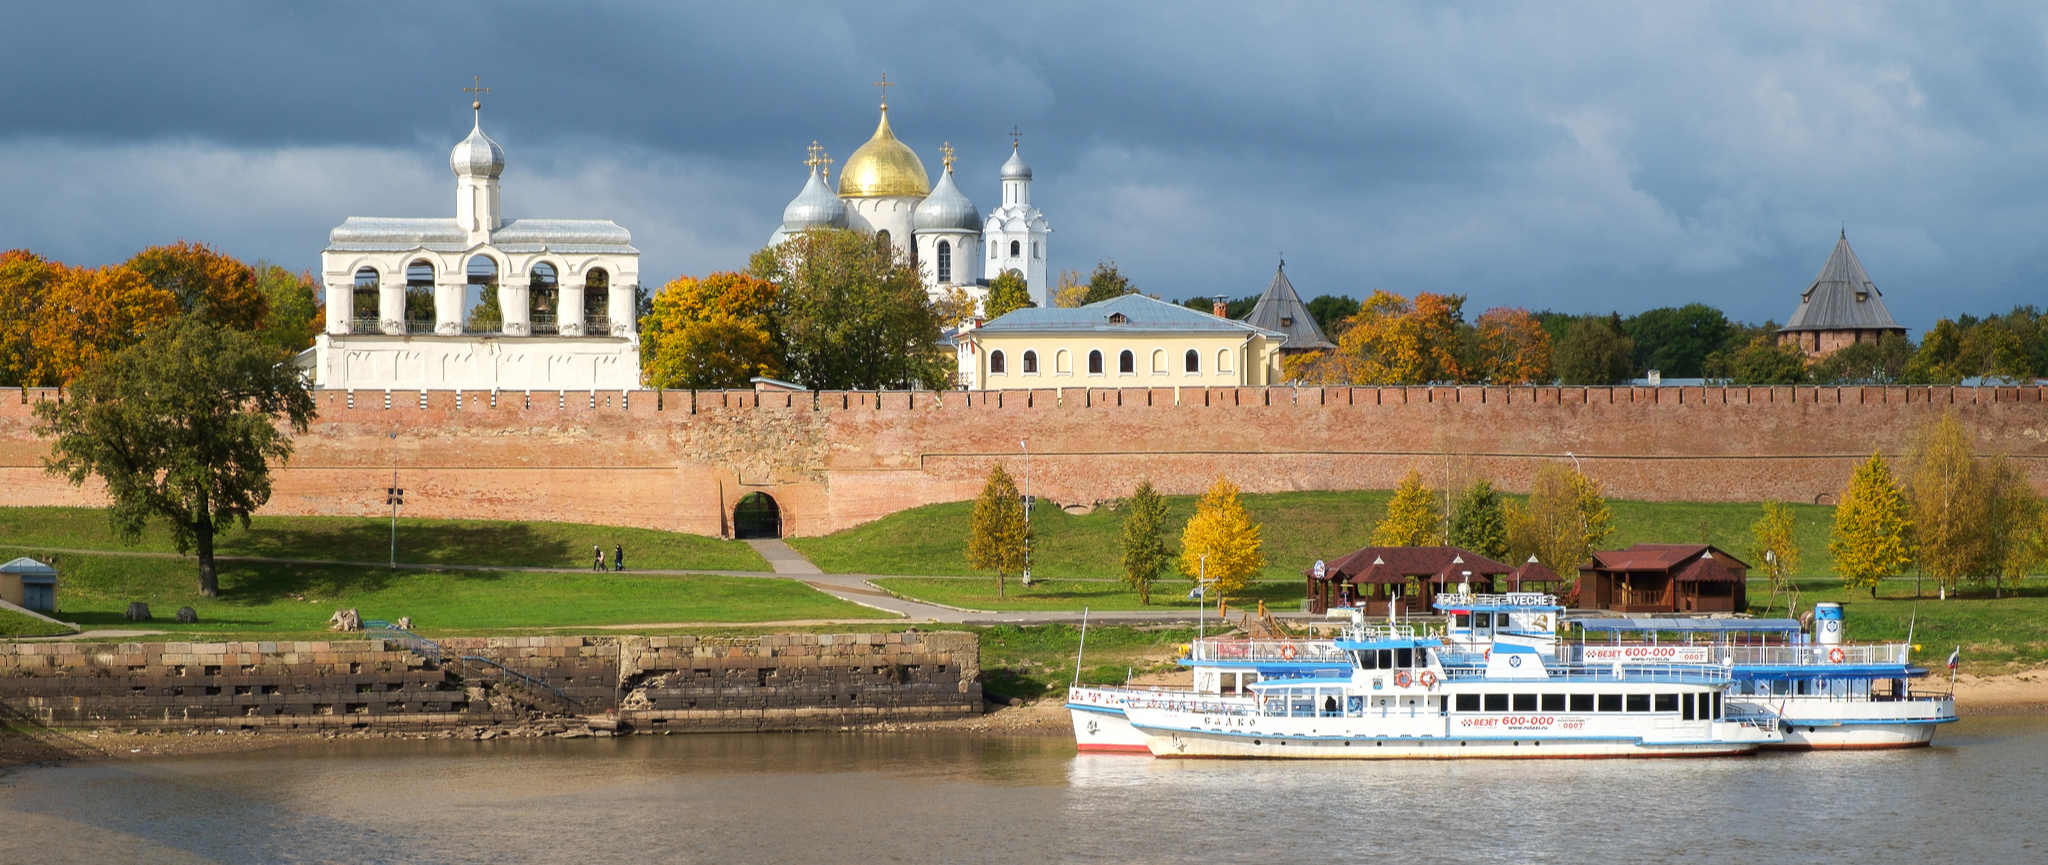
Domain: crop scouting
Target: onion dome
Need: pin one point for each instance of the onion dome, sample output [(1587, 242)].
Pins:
[(884, 167), (1015, 169), (815, 207), (946, 209), (477, 154)]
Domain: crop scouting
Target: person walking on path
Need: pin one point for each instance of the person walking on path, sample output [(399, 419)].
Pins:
[(618, 557), (597, 553)]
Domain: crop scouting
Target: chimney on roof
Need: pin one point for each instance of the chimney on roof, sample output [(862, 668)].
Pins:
[(1220, 308)]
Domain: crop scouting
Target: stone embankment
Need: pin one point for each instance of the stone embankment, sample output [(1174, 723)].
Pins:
[(616, 684)]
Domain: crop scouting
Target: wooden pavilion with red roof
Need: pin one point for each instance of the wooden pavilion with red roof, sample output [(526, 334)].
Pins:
[(1664, 578), (1408, 576)]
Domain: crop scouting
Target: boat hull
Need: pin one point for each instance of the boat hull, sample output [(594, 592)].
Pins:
[(1858, 725), (1855, 737), (1198, 744), (1105, 730)]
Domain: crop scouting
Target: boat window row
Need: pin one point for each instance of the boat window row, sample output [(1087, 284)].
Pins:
[(1334, 703), (1857, 688), (1479, 620), (1391, 659), (1689, 706)]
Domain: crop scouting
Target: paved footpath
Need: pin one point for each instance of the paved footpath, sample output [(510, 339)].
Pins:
[(788, 564)]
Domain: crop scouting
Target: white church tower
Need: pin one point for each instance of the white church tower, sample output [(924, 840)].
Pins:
[(1016, 231)]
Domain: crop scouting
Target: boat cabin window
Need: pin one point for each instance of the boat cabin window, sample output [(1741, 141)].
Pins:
[(1580, 703), (1610, 702), (1553, 702), (1637, 702), (1500, 620), (1496, 702), (1717, 706), (1525, 702), (1404, 658), (1667, 703), (1468, 702), (1685, 708)]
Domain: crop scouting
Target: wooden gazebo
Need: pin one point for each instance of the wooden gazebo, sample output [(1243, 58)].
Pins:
[(1664, 578), (1374, 576)]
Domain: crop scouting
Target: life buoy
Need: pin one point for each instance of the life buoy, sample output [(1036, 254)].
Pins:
[(1428, 679), (1287, 652), (1489, 655), (1835, 655), (1402, 680)]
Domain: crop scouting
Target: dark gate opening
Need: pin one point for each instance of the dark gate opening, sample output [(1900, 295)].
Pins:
[(756, 516)]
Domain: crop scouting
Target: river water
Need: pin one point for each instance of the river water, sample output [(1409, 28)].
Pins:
[(1976, 797)]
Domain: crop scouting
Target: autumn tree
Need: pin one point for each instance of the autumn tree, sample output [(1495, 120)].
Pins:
[(1145, 557), (1565, 518), (207, 283), (1594, 351), (1412, 518), (2017, 536), (1069, 290), (852, 313), (25, 282), (1510, 347), (1008, 292), (90, 314), (1772, 543), (1873, 534), (1951, 502), (998, 534), (1478, 521), (182, 428), (1220, 543), (1393, 341), (711, 333)]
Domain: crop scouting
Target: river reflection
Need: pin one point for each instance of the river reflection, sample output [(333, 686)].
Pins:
[(841, 797)]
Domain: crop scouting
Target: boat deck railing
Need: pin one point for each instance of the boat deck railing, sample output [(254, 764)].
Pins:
[(1679, 674), (1269, 651), (1450, 600), (1803, 655)]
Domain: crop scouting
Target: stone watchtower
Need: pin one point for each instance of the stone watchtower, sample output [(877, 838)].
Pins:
[(1841, 308)]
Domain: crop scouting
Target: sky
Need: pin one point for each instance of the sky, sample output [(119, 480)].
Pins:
[(1568, 156)]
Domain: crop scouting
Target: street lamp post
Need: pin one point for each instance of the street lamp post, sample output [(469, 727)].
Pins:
[(394, 497), (1026, 445)]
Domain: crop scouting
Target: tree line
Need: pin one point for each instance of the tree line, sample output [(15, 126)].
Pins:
[(177, 371)]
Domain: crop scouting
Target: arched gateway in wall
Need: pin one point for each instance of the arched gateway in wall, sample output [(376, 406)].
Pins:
[(756, 516)]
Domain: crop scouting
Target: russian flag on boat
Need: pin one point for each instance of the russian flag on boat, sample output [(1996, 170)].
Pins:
[(1955, 657)]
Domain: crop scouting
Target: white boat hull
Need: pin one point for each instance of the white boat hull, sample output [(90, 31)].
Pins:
[(1187, 743), (1857, 725), (1101, 729)]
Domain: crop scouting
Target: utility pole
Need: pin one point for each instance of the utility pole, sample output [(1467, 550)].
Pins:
[(394, 497), (1026, 445)]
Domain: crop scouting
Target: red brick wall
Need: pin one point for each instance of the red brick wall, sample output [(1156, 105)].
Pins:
[(679, 460)]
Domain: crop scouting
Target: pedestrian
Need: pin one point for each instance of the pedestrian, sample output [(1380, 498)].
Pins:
[(597, 554), (618, 557)]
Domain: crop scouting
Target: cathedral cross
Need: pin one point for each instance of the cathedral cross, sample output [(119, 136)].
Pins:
[(946, 155), (1014, 137), (817, 156), (885, 85), (479, 89)]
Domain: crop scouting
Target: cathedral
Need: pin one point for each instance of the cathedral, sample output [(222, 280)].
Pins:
[(883, 188)]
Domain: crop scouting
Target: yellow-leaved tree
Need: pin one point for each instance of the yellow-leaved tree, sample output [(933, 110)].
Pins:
[(1773, 545), (1873, 535), (1411, 519), (998, 534), (1220, 544), (1950, 499), (715, 332), (1566, 516)]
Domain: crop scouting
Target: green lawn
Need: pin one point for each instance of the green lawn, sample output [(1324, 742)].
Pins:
[(283, 599), (358, 539), (1298, 529), (13, 624), (1033, 661), (979, 593)]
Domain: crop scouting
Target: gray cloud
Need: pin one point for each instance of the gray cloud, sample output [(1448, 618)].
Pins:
[(1575, 157)]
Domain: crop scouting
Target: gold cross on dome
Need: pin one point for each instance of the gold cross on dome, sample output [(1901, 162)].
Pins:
[(946, 155), (885, 85), (817, 156), (479, 89), (825, 159)]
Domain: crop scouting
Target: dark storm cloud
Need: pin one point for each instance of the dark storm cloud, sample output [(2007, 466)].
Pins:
[(1573, 157)]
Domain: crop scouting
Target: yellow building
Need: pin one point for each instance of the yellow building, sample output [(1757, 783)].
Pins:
[(1130, 341)]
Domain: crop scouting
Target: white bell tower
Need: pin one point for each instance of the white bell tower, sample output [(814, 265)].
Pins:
[(1016, 232)]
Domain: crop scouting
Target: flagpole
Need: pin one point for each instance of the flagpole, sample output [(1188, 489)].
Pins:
[(1082, 649)]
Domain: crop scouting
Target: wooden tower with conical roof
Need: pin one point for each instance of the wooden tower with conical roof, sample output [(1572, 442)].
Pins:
[(1841, 308)]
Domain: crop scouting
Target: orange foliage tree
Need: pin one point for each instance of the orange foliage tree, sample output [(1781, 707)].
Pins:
[(89, 314), (206, 283), (25, 280), (1512, 348), (715, 332), (1391, 340)]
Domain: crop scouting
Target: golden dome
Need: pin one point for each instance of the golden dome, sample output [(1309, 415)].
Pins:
[(883, 167)]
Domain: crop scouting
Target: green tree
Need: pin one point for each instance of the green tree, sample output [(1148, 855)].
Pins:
[(1873, 533), (1772, 543), (1677, 340), (1144, 543), (1107, 283), (1478, 522), (292, 307), (1594, 351), (853, 313), (1412, 518), (486, 316), (1330, 311), (1940, 358), (208, 283), (998, 534), (182, 427), (1008, 292), (1220, 542), (1765, 361), (1565, 518), (1951, 503), (715, 332), (1874, 362)]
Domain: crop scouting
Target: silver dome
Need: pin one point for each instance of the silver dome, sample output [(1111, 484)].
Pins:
[(477, 154), (815, 207), (946, 209), (1015, 169)]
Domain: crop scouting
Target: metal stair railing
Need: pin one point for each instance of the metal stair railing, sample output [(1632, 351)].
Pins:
[(432, 651)]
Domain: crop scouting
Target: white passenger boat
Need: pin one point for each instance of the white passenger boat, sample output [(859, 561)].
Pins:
[(1402, 700)]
